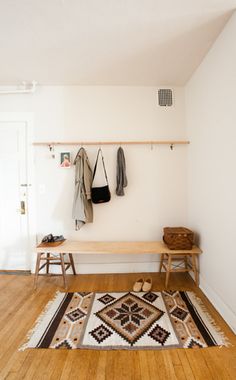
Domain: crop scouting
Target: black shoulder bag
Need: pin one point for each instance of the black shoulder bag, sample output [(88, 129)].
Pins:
[(100, 194)]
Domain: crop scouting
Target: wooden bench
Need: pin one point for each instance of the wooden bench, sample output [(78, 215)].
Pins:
[(187, 260)]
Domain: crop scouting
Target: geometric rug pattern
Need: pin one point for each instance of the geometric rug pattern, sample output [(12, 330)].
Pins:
[(127, 320)]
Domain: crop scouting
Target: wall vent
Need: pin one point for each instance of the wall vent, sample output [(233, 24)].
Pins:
[(165, 97)]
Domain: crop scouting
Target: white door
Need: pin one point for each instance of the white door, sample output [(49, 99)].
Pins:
[(14, 252)]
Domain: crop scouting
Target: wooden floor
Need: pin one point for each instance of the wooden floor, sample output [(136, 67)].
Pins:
[(20, 305)]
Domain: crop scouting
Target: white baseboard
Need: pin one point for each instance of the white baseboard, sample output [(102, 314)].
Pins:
[(228, 315)]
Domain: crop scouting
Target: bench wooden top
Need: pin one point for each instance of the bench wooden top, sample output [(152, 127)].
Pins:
[(116, 247)]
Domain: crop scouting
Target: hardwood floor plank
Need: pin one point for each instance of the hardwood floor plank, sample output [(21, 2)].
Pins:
[(160, 365), (144, 366), (179, 371), (101, 366), (218, 371), (92, 365), (169, 367), (67, 368), (21, 373), (125, 371), (185, 365), (199, 365), (46, 366), (36, 364), (11, 370), (85, 365), (152, 364), (110, 367), (134, 365), (57, 364)]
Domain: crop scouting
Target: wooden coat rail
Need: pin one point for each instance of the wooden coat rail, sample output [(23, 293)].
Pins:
[(148, 142)]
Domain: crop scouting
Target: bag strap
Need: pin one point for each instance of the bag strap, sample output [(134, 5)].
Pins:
[(95, 167)]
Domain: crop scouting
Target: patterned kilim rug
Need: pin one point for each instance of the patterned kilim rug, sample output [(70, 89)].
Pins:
[(152, 320)]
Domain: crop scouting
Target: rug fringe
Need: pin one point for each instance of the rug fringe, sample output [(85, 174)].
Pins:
[(224, 339), (38, 322)]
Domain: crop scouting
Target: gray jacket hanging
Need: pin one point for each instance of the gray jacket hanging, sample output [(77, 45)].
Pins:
[(121, 179), (82, 210)]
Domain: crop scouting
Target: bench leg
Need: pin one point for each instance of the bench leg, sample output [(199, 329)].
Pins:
[(72, 263), (63, 270), (37, 270), (195, 269), (161, 262), (168, 270), (186, 262), (47, 266)]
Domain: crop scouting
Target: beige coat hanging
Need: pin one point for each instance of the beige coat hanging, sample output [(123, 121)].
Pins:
[(82, 205)]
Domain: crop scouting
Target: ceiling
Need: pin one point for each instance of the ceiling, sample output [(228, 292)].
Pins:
[(107, 42)]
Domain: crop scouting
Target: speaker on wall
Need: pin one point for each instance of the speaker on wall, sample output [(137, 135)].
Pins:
[(165, 97)]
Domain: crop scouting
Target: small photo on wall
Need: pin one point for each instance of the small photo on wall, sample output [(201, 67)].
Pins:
[(65, 160)]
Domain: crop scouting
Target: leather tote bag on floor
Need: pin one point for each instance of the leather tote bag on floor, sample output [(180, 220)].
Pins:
[(100, 194)]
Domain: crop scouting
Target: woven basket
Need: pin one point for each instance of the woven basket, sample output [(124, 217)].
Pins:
[(178, 238)]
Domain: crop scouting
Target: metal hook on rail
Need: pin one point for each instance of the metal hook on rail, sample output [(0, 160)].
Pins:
[(51, 149)]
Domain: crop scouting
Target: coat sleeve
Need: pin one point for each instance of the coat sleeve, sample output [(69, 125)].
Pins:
[(87, 178)]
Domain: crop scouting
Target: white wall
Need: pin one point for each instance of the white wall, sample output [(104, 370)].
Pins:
[(211, 123), (156, 193)]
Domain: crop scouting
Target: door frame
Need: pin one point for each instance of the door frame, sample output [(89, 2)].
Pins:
[(27, 118)]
